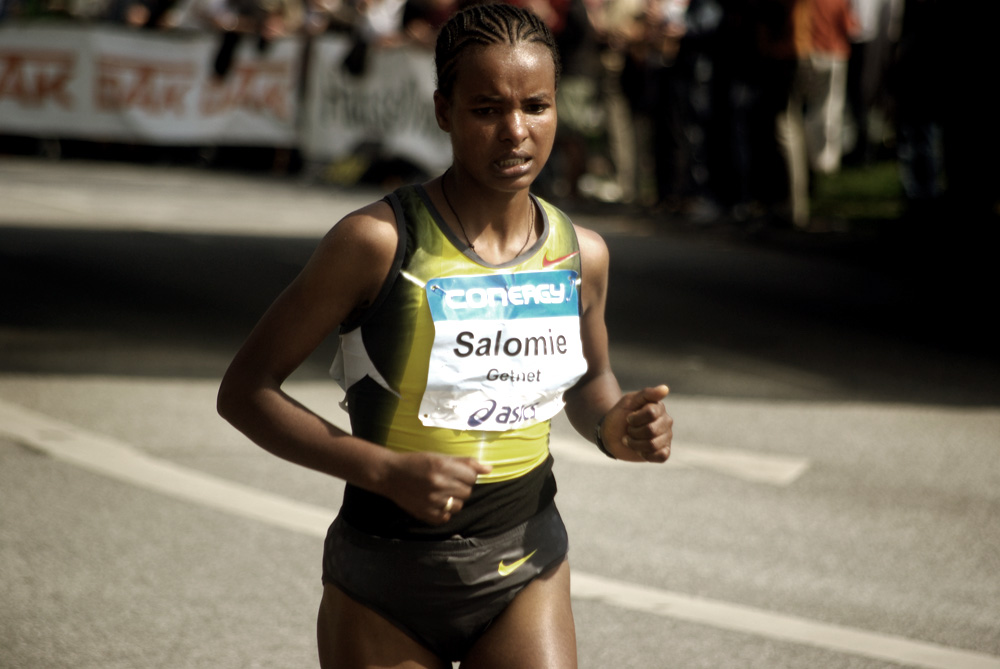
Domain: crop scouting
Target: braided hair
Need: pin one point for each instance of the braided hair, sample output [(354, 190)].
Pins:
[(486, 24)]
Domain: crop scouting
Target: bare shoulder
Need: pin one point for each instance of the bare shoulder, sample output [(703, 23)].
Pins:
[(593, 251), (593, 268), (355, 257), (369, 230)]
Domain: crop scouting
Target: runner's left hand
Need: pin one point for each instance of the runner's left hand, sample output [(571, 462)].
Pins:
[(639, 425)]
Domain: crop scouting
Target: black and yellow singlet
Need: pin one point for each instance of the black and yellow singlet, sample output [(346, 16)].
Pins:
[(464, 358)]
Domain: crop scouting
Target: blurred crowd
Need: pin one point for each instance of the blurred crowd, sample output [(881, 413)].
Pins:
[(380, 23), (709, 108)]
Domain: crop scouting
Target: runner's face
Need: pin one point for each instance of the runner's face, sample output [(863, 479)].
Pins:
[(502, 113)]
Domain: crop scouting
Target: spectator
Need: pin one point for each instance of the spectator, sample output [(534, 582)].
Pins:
[(780, 37), (659, 95), (553, 12), (582, 120), (621, 32), (832, 27), (744, 134), (810, 130), (140, 13), (917, 84), (328, 16), (691, 104), (380, 22), (867, 67), (266, 20), (422, 19)]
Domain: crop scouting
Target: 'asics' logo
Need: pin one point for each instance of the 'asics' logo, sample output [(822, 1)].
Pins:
[(508, 569), (547, 262)]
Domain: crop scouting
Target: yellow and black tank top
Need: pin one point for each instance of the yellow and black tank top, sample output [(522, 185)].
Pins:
[(464, 358)]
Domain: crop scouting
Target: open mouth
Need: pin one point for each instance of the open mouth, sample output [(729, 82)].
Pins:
[(515, 161)]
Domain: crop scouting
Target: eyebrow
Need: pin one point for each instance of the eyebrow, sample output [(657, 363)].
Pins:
[(535, 97)]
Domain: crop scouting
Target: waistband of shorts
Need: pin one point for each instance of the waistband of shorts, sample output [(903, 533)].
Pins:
[(453, 546)]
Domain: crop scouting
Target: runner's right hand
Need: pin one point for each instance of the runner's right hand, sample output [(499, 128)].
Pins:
[(422, 483)]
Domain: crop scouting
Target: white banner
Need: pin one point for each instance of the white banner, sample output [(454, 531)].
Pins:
[(102, 82), (390, 105), (116, 84)]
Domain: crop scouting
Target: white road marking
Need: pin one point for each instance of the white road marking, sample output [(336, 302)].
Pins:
[(122, 462), (738, 618), (778, 470)]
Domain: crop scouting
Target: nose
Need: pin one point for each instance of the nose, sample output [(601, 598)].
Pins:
[(515, 127)]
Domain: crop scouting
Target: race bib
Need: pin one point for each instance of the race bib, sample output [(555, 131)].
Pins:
[(506, 347)]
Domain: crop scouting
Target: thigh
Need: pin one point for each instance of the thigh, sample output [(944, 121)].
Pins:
[(536, 630), (352, 636)]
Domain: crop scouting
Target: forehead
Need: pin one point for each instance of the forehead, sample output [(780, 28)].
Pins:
[(497, 68)]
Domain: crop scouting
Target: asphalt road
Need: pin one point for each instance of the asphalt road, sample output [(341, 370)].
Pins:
[(831, 502)]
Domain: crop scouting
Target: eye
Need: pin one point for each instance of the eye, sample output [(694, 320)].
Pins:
[(484, 111), (537, 108)]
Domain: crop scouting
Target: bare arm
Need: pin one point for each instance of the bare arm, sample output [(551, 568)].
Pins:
[(634, 426), (345, 274)]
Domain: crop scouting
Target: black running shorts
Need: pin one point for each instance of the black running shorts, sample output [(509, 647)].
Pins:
[(445, 593)]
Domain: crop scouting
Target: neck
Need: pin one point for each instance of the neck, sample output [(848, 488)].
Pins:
[(497, 225), (482, 211)]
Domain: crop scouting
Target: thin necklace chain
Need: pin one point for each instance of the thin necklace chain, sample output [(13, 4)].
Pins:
[(468, 241)]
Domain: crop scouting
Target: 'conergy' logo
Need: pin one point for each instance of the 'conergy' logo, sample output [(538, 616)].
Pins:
[(516, 295), (479, 298)]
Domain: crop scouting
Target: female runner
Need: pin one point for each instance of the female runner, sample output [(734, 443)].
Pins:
[(469, 313)]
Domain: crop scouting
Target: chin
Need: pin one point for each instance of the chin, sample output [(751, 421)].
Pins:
[(518, 181)]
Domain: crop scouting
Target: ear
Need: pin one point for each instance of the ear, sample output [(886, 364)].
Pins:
[(442, 111)]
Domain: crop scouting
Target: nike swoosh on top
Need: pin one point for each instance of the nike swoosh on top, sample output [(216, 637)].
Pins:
[(508, 569), (546, 262)]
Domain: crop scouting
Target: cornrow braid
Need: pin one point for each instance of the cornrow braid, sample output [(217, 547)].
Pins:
[(486, 24)]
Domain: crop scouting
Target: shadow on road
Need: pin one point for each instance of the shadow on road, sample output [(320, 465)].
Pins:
[(709, 317)]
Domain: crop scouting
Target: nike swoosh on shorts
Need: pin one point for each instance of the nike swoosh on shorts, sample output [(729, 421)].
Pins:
[(508, 569)]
